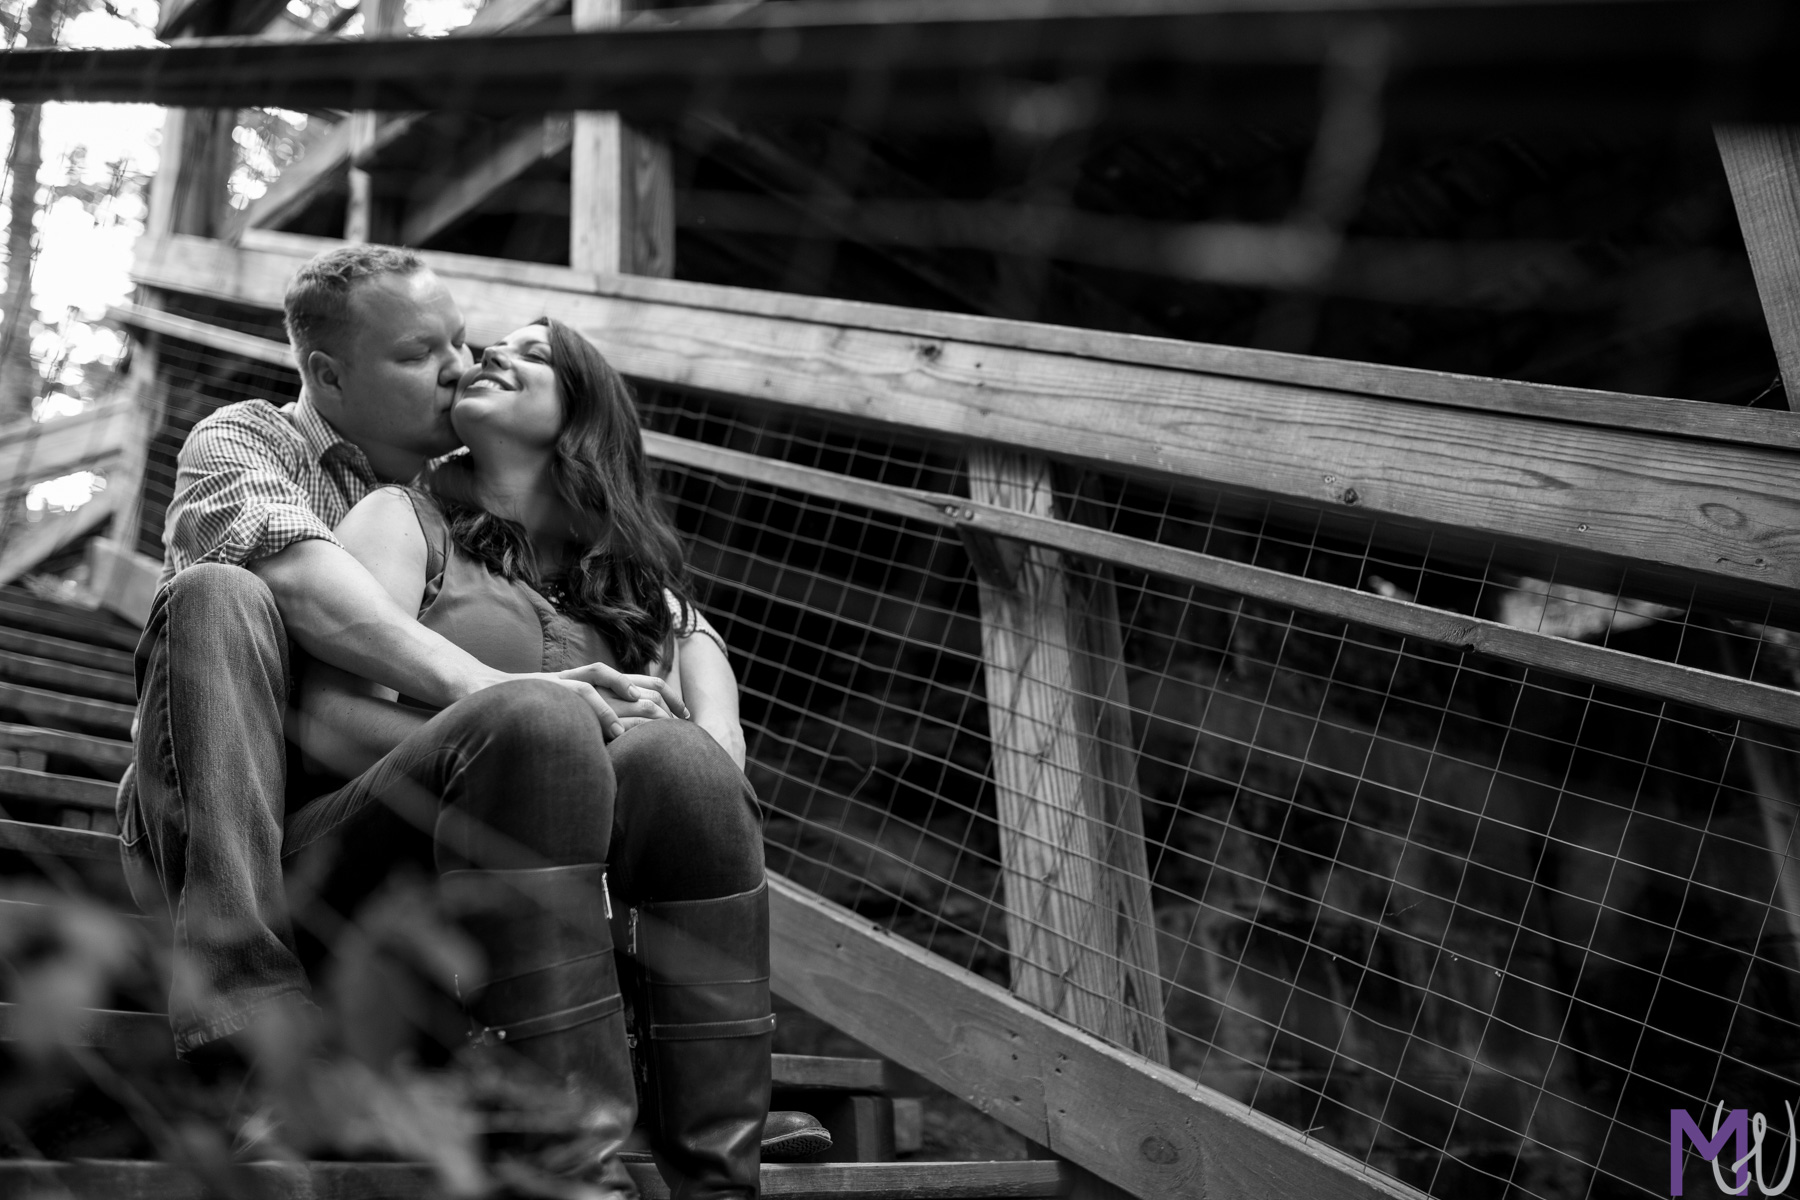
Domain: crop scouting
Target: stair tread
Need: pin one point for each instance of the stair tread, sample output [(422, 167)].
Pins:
[(404, 1181), (83, 654), (67, 677), (88, 748), (23, 783), (30, 837), (41, 703), (21, 610)]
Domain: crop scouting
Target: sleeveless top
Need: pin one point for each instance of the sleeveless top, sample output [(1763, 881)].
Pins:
[(505, 623)]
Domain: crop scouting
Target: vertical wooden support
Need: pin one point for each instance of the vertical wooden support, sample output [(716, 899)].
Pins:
[(1763, 166), (622, 201), (383, 18), (1079, 919)]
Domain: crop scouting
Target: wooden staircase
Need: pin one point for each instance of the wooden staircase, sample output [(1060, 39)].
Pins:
[(66, 708)]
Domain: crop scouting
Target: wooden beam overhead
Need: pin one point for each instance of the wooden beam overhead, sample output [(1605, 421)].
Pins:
[(1677, 511), (1613, 63)]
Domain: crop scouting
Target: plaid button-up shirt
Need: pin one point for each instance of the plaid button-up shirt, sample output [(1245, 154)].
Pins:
[(253, 479)]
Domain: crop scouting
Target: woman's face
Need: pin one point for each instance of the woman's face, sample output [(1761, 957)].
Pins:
[(510, 394)]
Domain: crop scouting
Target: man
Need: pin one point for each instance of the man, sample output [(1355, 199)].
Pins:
[(251, 564)]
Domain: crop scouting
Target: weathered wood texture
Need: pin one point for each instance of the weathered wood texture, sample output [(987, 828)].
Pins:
[(1578, 660), (1763, 165), (75, 844), (41, 707), (1138, 1125), (19, 783), (103, 753), (66, 677), (81, 654), (23, 611), (216, 337), (1644, 63), (31, 451), (1718, 513), (1080, 931), (622, 187)]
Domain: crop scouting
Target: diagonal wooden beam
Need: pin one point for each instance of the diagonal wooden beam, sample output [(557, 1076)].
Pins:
[(443, 197), (28, 547), (1763, 165), (31, 451), (336, 150)]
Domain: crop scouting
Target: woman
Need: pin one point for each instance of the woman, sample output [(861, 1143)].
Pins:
[(544, 548)]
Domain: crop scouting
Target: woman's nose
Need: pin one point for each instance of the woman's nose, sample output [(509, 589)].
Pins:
[(494, 356)]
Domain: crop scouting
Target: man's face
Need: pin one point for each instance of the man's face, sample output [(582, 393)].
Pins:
[(395, 374)]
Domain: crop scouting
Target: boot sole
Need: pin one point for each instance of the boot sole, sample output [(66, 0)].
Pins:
[(802, 1144)]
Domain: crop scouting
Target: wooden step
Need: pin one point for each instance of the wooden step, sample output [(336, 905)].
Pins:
[(816, 1072), (108, 756), (67, 677), (41, 707), (27, 837), (81, 654), (93, 795), (408, 1181), (21, 610)]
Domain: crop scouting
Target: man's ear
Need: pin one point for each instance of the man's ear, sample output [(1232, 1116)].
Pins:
[(324, 373)]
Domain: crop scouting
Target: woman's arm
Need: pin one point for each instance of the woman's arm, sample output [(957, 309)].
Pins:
[(710, 689), (345, 722)]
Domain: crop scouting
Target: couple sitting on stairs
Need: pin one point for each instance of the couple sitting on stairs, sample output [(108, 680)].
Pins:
[(491, 669)]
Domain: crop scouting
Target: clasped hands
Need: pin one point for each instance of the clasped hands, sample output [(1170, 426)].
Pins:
[(622, 701)]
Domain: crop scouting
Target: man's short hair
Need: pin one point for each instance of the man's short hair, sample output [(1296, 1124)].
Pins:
[(317, 304)]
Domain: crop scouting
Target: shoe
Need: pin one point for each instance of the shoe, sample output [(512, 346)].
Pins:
[(551, 1009), (789, 1136), (704, 1029)]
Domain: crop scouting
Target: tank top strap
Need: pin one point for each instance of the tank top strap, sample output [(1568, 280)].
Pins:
[(437, 542)]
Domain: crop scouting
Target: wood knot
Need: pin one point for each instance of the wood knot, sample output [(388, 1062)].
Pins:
[(1159, 1150)]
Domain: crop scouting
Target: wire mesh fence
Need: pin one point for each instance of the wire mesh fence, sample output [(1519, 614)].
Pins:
[(1480, 926)]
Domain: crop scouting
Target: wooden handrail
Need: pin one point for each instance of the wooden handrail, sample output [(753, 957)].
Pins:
[(1576, 660)]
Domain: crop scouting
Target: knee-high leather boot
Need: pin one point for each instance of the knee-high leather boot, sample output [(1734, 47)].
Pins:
[(704, 1029), (552, 998)]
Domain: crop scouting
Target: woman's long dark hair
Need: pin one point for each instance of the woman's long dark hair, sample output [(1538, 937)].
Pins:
[(632, 555)]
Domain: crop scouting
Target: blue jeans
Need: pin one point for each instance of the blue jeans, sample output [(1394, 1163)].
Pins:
[(516, 775)]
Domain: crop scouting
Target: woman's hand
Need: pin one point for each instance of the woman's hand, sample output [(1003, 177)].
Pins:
[(629, 699)]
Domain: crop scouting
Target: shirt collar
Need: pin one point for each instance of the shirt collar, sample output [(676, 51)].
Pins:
[(323, 441)]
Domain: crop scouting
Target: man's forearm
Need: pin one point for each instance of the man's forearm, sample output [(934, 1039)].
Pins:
[(337, 612), (710, 688)]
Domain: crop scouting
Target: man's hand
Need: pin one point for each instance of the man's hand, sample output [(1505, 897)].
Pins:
[(620, 700)]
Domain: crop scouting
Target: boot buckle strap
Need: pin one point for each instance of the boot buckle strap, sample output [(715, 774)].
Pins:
[(552, 1022), (707, 1030)]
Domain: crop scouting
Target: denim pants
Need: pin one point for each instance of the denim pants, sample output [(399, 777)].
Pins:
[(513, 776)]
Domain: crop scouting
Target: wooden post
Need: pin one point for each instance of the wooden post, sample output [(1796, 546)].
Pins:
[(622, 201), (1763, 166), (383, 18), (1079, 920)]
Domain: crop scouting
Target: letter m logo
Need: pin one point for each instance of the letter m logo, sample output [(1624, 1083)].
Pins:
[(1735, 1127)]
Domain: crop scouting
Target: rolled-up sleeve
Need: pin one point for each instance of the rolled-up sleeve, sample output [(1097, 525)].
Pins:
[(237, 495)]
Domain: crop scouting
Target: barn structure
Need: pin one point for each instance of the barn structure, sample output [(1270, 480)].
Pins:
[(1261, 539)]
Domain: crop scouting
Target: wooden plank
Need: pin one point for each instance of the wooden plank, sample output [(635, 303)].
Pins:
[(36, 704), (29, 838), (19, 610), (1139, 1126), (124, 581), (20, 783), (1081, 934), (1578, 660), (1763, 165), (154, 320), (148, 398), (30, 545), (1676, 512), (413, 1181), (66, 677), (109, 754), (1646, 64), (81, 654), (443, 197), (31, 451), (622, 189), (825, 1073)]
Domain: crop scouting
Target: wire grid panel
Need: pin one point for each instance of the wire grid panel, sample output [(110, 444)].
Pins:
[(1479, 926)]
